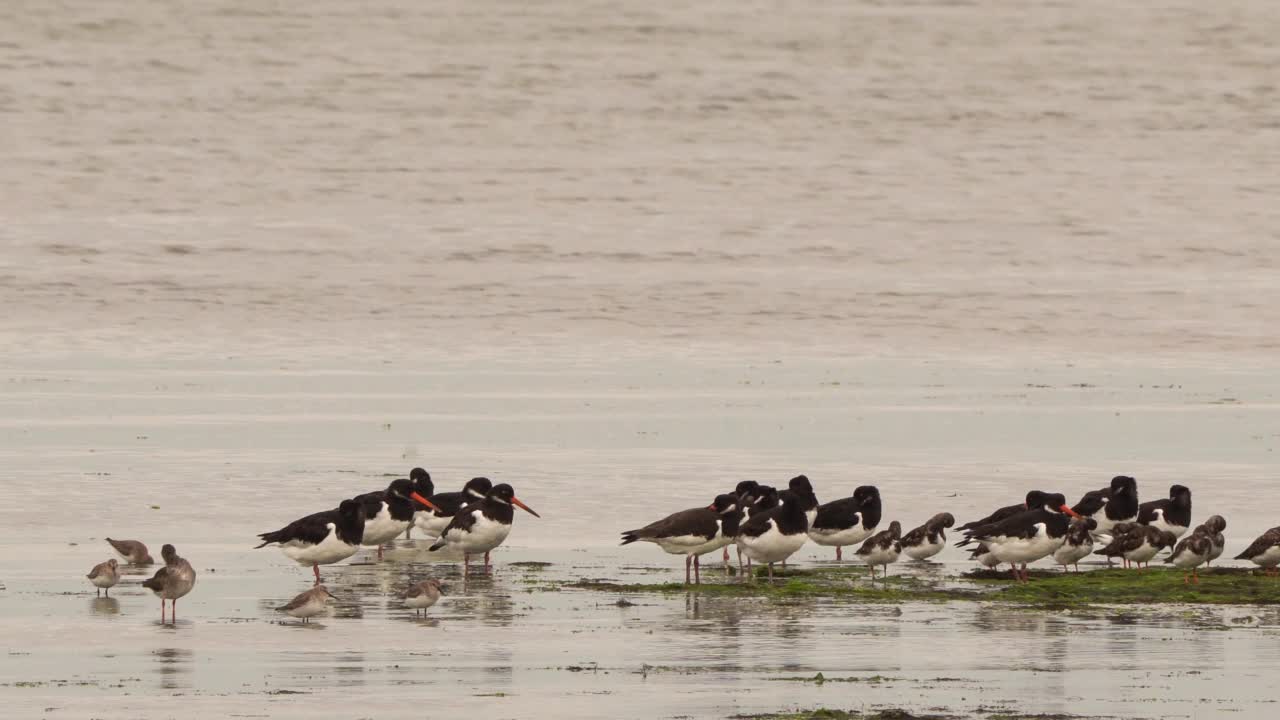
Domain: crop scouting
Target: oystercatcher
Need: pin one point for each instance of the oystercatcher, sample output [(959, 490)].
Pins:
[(1033, 501), (448, 504), (776, 534), (389, 512), (1172, 514), (847, 521), (321, 538), (423, 486), (692, 532), (1029, 535), (482, 526), (1121, 507)]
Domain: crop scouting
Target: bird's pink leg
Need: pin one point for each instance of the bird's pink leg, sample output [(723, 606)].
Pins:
[(688, 562), (839, 554), (697, 570)]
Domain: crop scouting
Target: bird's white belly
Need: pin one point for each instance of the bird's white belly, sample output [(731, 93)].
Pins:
[(1187, 560), (881, 556), (1069, 554), (1267, 558), (840, 538), (429, 524), (483, 536), (310, 608), (679, 544), (1143, 553), (924, 550), (772, 545), (105, 581), (1024, 550), (327, 551), (382, 528), (420, 601)]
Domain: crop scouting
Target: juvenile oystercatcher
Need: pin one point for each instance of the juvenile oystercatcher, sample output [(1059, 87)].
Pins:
[(134, 552), (422, 595), (1121, 507), (321, 538), (389, 512), (1172, 514), (928, 540), (847, 521), (1213, 527), (774, 535), (482, 526), (1035, 500), (1029, 535), (882, 548), (105, 575), (423, 486), (692, 532), (308, 604), (1078, 543), (1265, 551), (1192, 552), (448, 504), (172, 581), (1137, 544)]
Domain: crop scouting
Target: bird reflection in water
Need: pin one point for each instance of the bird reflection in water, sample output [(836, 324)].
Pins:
[(104, 606), (174, 664)]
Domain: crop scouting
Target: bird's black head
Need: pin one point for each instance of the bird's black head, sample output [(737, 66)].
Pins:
[(725, 504), (478, 487), (1056, 502), (1092, 502), (864, 493), (1124, 485), (351, 508), (1035, 499), (800, 485), (168, 552), (766, 495), (746, 488), (400, 488), (1180, 493), (504, 493), (422, 482)]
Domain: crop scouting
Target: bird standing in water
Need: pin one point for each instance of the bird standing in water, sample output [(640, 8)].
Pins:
[(172, 581)]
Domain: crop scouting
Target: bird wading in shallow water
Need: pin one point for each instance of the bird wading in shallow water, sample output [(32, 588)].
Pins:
[(321, 538), (482, 526), (172, 581)]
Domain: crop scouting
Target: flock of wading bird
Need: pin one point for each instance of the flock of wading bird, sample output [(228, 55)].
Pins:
[(769, 526), (474, 521)]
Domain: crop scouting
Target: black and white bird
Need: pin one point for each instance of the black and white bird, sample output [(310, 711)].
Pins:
[(1136, 543), (1264, 552), (133, 551), (387, 513), (1027, 536), (172, 581), (1213, 527), (482, 526), (1033, 501), (1078, 543), (105, 575), (308, 604), (759, 499), (774, 535), (1172, 514), (882, 549), (321, 538), (847, 521), (1121, 507), (929, 539), (422, 485), (982, 555), (448, 504), (1191, 552), (692, 532), (1091, 504)]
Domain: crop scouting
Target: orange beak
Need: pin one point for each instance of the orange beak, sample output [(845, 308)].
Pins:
[(1069, 511), (524, 507), (423, 500)]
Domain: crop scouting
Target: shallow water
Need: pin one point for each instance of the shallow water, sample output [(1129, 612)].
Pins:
[(257, 258)]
